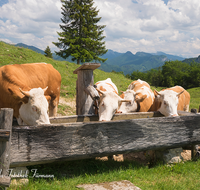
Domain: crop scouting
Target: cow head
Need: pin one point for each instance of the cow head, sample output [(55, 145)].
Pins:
[(108, 104), (169, 102), (33, 106), (133, 104), (35, 111)]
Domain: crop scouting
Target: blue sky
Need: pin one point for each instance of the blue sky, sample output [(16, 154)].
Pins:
[(171, 26)]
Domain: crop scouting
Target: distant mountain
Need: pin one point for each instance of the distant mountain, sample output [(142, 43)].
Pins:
[(196, 59), (111, 54), (170, 57), (126, 62), (129, 62), (30, 47)]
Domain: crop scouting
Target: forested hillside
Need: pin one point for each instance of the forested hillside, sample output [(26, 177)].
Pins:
[(172, 73)]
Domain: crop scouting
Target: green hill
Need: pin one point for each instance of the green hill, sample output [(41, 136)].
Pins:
[(10, 54)]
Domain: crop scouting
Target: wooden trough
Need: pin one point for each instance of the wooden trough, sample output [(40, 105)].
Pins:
[(79, 140), (83, 136)]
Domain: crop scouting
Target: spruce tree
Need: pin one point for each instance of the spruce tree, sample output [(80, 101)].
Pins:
[(81, 37), (48, 52)]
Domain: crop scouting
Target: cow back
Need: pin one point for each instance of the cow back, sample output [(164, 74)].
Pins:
[(107, 85), (143, 88)]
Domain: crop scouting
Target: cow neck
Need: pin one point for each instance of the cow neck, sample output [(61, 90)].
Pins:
[(110, 86)]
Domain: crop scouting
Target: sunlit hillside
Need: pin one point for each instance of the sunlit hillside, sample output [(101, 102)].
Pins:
[(10, 54)]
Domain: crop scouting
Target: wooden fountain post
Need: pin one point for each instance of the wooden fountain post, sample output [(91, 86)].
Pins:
[(85, 92)]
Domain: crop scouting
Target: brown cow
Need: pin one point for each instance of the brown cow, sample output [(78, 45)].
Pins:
[(141, 97), (24, 88)]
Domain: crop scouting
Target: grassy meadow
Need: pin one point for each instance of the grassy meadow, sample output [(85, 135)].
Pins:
[(67, 175)]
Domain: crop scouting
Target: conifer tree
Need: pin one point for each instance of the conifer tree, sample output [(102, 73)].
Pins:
[(81, 37), (48, 52)]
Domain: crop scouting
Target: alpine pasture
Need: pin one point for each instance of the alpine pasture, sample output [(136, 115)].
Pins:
[(69, 174)]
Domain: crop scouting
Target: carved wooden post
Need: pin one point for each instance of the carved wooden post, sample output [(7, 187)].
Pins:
[(6, 117), (84, 85)]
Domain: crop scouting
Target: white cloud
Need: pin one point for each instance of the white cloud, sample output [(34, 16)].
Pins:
[(32, 22), (171, 26), (152, 25)]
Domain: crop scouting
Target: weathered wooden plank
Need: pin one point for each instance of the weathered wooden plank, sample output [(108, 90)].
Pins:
[(6, 117), (4, 135), (116, 117), (73, 141), (87, 66)]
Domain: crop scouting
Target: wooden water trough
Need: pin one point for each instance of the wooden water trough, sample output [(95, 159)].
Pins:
[(88, 139)]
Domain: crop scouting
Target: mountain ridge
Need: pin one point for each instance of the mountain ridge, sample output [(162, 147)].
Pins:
[(126, 62)]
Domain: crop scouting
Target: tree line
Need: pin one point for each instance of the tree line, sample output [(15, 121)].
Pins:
[(170, 74)]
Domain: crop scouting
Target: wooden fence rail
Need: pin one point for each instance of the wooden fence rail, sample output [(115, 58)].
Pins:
[(73, 141)]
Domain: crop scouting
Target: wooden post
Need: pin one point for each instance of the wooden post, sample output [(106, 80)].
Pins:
[(84, 102), (6, 117)]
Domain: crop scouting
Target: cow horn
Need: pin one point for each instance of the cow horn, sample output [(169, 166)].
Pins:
[(157, 92), (26, 93), (180, 93), (44, 89), (124, 100), (100, 91)]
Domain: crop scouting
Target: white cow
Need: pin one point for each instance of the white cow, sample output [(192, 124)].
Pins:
[(109, 100), (169, 100), (34, 112)]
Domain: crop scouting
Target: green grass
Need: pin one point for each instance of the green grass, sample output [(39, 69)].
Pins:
[(195, 97), (67, 175)]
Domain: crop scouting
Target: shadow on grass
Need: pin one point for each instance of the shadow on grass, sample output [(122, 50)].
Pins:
[(70, 169)]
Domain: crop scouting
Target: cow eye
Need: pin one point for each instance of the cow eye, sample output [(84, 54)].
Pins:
[(165, 103), (35, 109), (102, 103)]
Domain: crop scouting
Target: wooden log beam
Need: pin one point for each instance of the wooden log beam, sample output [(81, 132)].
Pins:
[(73, 141), (116, 117)]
